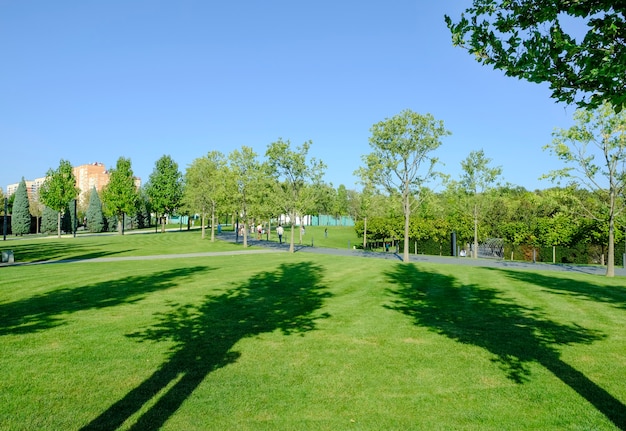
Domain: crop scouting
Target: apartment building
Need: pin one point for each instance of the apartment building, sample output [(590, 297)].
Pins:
[(87, 177)]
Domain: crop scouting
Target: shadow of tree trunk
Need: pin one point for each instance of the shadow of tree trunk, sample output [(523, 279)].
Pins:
[(514, 334), (286, 299)]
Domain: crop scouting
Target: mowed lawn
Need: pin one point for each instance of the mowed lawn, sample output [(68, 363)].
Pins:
[(301, 342)]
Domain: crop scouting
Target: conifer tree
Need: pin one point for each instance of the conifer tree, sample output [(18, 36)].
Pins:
[(95, 217), (49, 220), (20, 219)]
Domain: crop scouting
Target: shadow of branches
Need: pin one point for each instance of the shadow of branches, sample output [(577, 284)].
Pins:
[(49, 310), (484, 317), (577, 288), (203, 335)]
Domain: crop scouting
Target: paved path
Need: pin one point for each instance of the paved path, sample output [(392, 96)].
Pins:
[(274, 247), (491, 263)]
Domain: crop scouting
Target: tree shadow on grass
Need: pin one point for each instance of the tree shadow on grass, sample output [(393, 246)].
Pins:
[(517, 336), (52, 250), (614, 295), (286, 299), (49, 310)]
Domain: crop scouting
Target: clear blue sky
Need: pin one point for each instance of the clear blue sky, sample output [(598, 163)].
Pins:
[(90, 81)]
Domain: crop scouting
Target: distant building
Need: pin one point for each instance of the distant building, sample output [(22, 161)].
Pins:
[(87, 177)]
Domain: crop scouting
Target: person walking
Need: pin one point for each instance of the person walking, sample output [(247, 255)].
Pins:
[(279, 232)]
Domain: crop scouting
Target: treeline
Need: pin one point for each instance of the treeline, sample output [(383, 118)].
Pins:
[(549, 225)]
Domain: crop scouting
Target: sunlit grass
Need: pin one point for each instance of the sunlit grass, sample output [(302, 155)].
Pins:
[(302, 342)]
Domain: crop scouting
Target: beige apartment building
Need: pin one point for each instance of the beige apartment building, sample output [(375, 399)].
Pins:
[(87, 177)]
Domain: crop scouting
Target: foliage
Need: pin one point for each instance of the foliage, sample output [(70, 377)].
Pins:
[(594, 154), (532, 40), (165, 188), (297, 178), (20, 218), (206, 181), (59, 189), (400, 161), (95, 216), (49, 220), (119, 196), (247, 176)]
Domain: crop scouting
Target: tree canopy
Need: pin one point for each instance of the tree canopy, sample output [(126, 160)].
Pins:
[(401, 160), (120, 194), (58, 190), (20, 219), (594, 152), (165, 187), (539, 41)]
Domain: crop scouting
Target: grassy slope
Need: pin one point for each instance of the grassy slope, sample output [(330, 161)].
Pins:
[(303, 342)]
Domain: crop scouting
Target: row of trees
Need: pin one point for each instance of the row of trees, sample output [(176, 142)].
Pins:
[(593, 152), (397, 177)]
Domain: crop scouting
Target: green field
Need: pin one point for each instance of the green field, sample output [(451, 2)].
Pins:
[(300, 342)]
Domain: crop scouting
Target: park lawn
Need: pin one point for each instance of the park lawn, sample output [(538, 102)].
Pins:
[(86, 246), (307, 342)]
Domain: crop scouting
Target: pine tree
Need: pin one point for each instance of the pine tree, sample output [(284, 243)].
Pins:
[(49, 220), (95, 217), (20, 219)]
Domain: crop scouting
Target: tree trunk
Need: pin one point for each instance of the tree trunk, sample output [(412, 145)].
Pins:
[(610, 265), (407, 217), (212, 222), (475, 248), (364, 233), (292, 247), (59, 224)]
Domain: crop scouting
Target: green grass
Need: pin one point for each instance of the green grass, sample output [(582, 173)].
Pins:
[(302, 342)]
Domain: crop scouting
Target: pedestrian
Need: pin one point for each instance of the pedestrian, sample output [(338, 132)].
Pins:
[(325, 232), (280, 231)]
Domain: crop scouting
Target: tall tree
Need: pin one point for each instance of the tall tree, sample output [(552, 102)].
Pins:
[(247, 173), (297, 179), (401, 160), (20, 219), (95, 216), (59, 189), (477, 178), (206, 186), (594, 152), (528, 39), (119, 196), (165, 188)]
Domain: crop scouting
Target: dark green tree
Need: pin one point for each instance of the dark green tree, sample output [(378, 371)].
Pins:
[(49, 220), (528, 39), (95, 216), (20, 219), (59, 189), (165, 188), (119, 196)]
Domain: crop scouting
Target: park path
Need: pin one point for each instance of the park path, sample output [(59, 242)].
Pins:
[(264, 247)]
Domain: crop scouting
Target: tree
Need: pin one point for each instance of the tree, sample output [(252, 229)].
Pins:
[(594, 152), (527, 39), (165, 188), (119, 196), (95, 216), (246, 173), (401, 161), (477, 178), (59, 189), (49, 220), (297, 179), (20, 218), (206, 187)]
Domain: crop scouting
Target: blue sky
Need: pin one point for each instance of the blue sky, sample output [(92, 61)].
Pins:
[(89, 81)]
